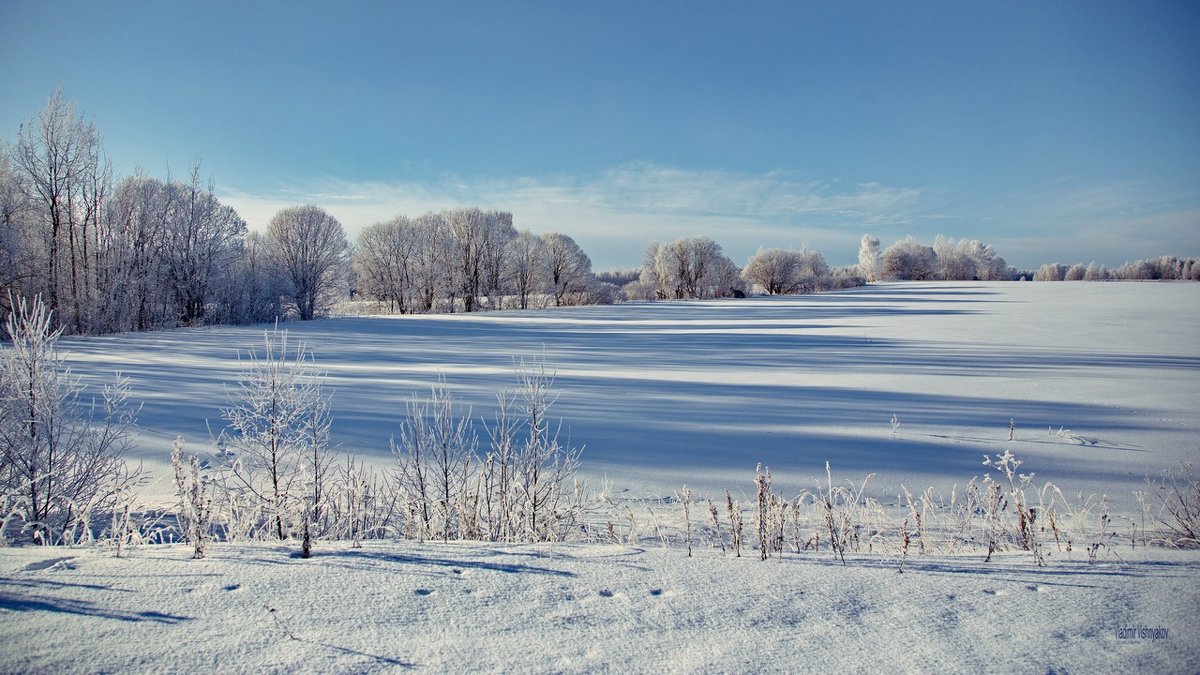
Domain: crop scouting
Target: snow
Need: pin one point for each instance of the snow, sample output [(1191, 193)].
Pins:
[(665, 394), (469, 607)]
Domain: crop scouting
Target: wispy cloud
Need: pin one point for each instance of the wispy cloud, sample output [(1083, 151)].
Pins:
[(1074, 221), (615, 213)]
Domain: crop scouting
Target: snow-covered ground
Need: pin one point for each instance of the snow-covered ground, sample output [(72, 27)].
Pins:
[(700, 392), (465, 607), (666, 394)]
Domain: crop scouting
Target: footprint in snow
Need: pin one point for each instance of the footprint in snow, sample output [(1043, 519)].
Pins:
[(990, 591), (606, 593), (423, 592), (656, 592), (233, 587)]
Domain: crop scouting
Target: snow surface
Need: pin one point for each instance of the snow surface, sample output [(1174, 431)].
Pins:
[(466, 607), (463, 608), (663, 394)]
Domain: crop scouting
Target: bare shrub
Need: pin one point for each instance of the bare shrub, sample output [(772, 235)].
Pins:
[(278, 426), (1178, 516), (61, 456), (195, 500)]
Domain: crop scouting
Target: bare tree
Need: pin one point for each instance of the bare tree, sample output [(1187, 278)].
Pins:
[(199, 241), (690, 267), (310, 249), (528, 266), (495, 252), (17, 269), (386, 260), (568, 268), (58, 157)]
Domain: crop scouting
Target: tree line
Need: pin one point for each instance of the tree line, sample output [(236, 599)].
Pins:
[(141, 253), (1165, 268)]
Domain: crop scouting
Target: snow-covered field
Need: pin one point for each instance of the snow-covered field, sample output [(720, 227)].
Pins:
[(671, 393), (661, 395)]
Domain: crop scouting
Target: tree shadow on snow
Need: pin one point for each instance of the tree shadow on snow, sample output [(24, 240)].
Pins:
[(20, 602), (463, 563)]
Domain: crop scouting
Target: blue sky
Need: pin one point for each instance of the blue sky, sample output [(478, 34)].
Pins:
[(1052, 130)]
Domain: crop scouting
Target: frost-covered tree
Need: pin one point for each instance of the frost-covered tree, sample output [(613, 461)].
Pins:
[(868, 258), (989, 266), (778, 271), (533, 472), (908, 260), (386, 260), (309, 249), (468, 232), (954, 262), (17, 269), (1051, 272), (496, 250), (253, 291), (690, 267), (64, 182), (136, 297), (199, 241), (812, 272), (62, 455), (528, 267), (774, 270), (568, 270)]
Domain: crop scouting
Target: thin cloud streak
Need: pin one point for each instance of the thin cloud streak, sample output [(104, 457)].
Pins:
[(1070, 222), (614, 214)]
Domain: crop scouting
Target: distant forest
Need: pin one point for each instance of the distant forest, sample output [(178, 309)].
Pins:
[(109, 254)]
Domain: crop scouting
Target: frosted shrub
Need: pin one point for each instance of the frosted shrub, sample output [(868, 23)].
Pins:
[(524, 489), (531, 474), (61, 456), (1178, 515), (435, 460), (1013, 491), (278, 421), (362, 504), (194, 500)]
